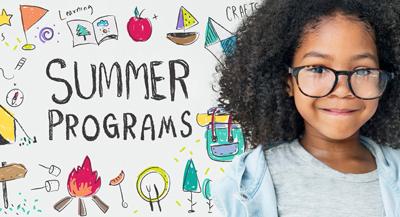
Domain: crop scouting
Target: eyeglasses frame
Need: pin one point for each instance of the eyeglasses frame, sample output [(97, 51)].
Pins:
[(294, 71)]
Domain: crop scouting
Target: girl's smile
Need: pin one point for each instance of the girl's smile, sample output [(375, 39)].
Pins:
[(332, 122)]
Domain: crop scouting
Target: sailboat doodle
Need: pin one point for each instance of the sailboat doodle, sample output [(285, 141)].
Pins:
[(185, 21)]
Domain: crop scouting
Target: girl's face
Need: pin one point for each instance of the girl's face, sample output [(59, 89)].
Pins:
[(340, 43)]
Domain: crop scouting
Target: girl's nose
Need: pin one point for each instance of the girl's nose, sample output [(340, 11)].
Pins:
[(342, 88)]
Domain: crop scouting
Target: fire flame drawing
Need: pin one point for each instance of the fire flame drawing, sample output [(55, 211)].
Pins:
[(82, 181)]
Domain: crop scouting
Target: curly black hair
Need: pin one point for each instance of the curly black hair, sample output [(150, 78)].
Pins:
[(253, 79)]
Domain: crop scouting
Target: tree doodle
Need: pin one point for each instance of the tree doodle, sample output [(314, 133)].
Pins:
[(191, 183), (205, 189)]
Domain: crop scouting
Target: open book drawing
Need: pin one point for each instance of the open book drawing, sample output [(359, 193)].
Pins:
[(100, 30)]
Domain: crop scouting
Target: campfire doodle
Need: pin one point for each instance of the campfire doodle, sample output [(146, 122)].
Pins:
[(82, 182)]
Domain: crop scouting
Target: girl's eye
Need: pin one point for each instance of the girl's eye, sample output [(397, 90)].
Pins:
[(316, 69), (362, 72)]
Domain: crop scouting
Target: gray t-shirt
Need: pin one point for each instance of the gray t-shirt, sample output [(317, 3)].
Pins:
[(306, 187)]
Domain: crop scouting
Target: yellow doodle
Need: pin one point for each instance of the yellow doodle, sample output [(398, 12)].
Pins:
[(5, 19)]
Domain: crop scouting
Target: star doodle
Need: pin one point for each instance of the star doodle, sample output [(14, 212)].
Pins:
[(5, 18)]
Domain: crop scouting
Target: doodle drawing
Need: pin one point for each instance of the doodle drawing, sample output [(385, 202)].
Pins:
[(148, 177), (117, 181), (30, 15), (5, 19), (139, 28), (219, 41), (82, 182), (185, 21), (191, 182), (102, 29), (9, 172), (224, 138)]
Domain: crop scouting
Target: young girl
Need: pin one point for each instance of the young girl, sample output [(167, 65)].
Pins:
[(315, 86)]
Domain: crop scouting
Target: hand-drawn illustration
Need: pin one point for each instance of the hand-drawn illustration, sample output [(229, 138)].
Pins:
[(8, 129), (5, 19), (50, 186), (53, 169), (10, 172), (3, 37), (185, 21), (30, 15), (139, 28), (15, 97), (102, 29), (219, 41), (46, 34), (205, 189), (191, 182), (155, 17), (82, 183), (24, 207), (20, 63), (13, 48), (224, 139), (81, 10), (7, 77), (148, 178), (117, 181)]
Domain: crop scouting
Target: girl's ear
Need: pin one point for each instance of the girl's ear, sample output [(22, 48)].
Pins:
[(289, 87)]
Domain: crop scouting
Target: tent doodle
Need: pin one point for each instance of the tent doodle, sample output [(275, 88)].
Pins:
[(8, 129)]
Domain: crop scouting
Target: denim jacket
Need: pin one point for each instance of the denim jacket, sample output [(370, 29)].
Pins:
[(247, 188)]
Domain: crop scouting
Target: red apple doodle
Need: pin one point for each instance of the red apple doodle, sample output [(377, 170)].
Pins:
[(139, 28)]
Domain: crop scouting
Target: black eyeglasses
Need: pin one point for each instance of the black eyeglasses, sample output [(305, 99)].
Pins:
[(320, 81)]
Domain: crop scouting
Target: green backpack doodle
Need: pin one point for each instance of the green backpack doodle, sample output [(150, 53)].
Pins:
[(224, 141)]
